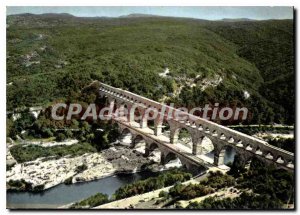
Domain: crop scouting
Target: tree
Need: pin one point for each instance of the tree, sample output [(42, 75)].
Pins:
[(238, 166), (60, 137)]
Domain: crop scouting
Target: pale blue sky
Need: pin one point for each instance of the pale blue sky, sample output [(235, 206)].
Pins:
[(210, 13)]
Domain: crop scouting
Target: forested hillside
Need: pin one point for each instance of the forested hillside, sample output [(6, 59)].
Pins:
[(270, 46), (250, 63)]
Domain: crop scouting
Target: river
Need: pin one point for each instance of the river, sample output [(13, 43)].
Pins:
[(65, 194)]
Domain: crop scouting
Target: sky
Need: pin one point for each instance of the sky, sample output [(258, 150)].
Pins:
[(209, 13)]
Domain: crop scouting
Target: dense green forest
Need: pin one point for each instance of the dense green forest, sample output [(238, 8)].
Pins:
[(53, 56)]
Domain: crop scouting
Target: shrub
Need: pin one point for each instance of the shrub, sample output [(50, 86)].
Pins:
[(92, 201), (68, 181), (163, 194), (81, 168), (60, 137)]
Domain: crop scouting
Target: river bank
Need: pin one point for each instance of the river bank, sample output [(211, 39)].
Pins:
[(48, 172), (62, 194)]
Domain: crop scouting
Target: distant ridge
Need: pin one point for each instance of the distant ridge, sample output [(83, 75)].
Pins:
[(50, 15), (132, 15), (136, 15), (237, 20)]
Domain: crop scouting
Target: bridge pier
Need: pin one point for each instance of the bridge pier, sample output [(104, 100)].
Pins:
[(144, 122), (218, 159), (197, 144), (111, 103), (127, 113), (121, 111), (147, 151), (158, 130), (173, 135), (158, 126), (162, 159), (197, 148)]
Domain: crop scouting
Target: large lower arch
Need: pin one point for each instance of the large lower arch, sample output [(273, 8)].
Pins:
[(154, 151), (226, 155), (170, 156), (184, 138), (137, 140), (179, 161), (126, 137), (152, 147), (205, 146)]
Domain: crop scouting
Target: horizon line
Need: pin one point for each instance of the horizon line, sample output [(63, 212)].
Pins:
[(148, 16), (192, 12)]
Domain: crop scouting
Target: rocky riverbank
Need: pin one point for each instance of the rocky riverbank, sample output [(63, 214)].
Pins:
[(48, 172)]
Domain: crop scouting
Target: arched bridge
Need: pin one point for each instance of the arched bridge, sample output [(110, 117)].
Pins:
[(198, 128)]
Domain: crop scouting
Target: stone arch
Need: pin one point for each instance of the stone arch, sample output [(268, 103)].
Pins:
[(110, 103), (153, 146), (200, 127), (226, 155), (165, 128), (258, 151), (178, 161), (121, 110), (280, 160), (170, 156), (207, 130), (149, 118), (125, 136), (126, 108), (249, 147), (151, 124), (269, 155), (184, 137), (150, 150), (125, 130), (240, 144), (205, 145), (136, 115), (118, 103), (136, 140), (290, 164)]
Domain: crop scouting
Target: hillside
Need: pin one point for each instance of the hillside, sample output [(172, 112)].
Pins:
[(52, 57), (270, 46)]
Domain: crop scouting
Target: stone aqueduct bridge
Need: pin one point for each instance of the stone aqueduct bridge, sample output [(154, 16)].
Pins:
[(221, 136)]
